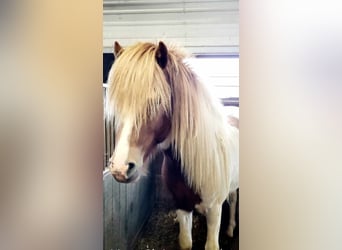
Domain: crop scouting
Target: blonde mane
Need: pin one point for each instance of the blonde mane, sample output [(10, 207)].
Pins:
[(140, 87), (200, 135)]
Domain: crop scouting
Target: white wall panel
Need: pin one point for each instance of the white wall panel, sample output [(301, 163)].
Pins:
[(203, 27)]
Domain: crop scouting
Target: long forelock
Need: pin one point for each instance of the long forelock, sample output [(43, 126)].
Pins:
[(138, 85)]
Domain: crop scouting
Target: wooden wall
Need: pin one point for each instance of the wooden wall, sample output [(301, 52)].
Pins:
[(126, 208)]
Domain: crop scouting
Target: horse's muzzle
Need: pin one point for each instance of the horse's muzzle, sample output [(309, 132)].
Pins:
[(118, 176)]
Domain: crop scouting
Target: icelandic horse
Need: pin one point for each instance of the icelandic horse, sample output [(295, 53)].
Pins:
[(160, 104)]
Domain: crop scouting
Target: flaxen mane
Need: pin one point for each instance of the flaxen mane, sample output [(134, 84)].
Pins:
[(140, 87), (200, 136)]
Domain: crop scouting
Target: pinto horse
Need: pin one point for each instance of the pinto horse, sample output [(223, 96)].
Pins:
[(160, 104)]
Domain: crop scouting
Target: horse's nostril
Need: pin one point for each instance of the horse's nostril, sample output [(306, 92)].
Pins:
[(131, 165)]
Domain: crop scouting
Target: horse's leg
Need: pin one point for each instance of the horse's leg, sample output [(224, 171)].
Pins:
[(213, 224), (185, 224), (232, 222)]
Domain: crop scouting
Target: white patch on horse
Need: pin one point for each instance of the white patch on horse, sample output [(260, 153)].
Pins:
[(213, 227), (119, 157), (185, 224)]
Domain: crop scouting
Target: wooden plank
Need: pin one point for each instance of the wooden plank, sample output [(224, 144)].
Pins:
[(126, 209)]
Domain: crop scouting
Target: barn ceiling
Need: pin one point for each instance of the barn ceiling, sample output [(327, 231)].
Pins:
[(203, 27)]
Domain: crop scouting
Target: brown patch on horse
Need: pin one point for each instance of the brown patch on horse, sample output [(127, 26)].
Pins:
[(233, 121), (184, 196), (151, 134)]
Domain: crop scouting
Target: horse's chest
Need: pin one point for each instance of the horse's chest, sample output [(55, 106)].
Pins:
[(185, 198)]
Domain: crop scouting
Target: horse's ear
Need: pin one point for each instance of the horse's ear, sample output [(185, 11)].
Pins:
[(117, 49), (161, 55)]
